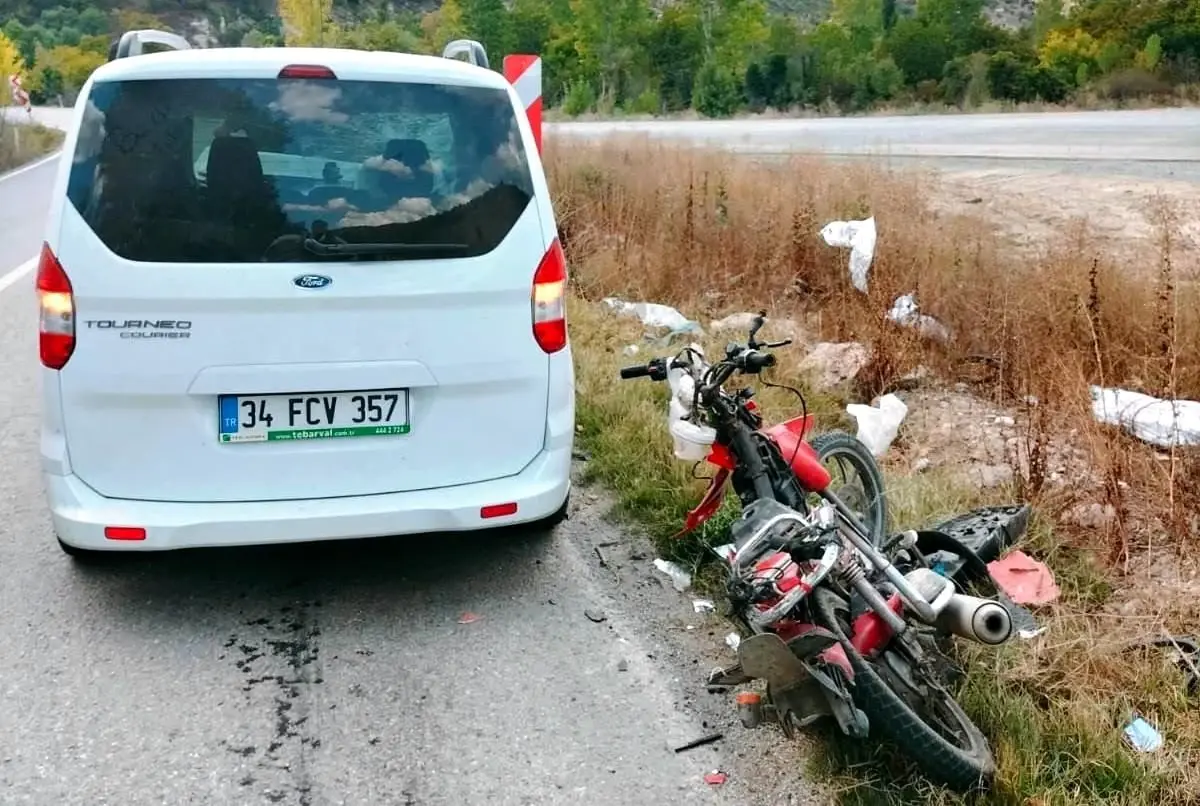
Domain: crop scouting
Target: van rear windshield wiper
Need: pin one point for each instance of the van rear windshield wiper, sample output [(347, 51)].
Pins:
[(382, 249)]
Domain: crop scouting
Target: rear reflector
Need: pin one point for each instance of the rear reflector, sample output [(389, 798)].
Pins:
[(307, 71), (549, 300), (124, 533), (56, 303), (498, 510)]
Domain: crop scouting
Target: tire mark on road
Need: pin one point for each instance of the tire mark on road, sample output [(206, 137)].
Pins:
[(281, 659)]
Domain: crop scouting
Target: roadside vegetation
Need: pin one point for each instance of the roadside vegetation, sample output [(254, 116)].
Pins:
[(24, 142), (712, 234), (715, 58)]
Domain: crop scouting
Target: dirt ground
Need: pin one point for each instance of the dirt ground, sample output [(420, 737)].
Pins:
[(1036, 207)]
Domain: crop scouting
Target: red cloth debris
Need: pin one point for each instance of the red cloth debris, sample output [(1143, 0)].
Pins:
[(1024, 579), (715, 778), (468, 618)]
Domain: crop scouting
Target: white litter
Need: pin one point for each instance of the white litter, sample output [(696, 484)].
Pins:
[(1165, 423), (1026, 635), (703, 605), (905, 312), (733, 641), (651, 313), (859, 238), (878, 425), (630, 350), (680, 579)]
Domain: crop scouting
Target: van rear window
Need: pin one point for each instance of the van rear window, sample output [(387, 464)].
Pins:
[(265, 170)]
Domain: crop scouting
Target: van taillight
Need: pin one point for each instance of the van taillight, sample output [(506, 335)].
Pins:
[(550, 300), (307, 71), (56, 325)]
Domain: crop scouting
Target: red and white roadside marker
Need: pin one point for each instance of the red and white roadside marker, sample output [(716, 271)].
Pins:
[(524, 72)]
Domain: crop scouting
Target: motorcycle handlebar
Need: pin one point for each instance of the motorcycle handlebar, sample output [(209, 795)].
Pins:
[(638, 371)]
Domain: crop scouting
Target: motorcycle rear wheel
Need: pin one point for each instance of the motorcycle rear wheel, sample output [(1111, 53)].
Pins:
[(900, 710)]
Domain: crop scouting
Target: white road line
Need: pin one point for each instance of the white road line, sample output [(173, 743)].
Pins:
[(30, 166), (17, 273)]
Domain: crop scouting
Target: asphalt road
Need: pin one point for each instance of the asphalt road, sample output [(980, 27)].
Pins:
[(328, 674), (1158, 143)]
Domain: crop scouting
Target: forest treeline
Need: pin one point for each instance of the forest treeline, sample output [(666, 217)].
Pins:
[(718, 57)]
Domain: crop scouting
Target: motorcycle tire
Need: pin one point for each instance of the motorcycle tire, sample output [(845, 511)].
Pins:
[(964, 768), (839, 445)]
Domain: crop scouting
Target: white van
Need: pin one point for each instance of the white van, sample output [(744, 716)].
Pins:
[(300, 294)]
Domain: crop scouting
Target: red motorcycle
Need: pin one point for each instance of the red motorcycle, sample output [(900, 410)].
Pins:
[(844, 621)]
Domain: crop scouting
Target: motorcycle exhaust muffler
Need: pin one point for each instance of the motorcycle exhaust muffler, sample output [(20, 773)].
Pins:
[(983, 620)]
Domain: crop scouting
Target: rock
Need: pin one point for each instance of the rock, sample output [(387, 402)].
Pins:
[(834, 363), (741, 322), (1092, 516), (989, 476), (1003, 420)]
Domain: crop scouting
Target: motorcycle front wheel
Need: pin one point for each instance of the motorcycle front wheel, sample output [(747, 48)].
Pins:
[(906, 702)]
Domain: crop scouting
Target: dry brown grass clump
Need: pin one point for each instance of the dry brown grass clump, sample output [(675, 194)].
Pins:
[(714, 233), (23, 142)]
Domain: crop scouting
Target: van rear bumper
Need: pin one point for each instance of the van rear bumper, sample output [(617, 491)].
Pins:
[(80, 514)]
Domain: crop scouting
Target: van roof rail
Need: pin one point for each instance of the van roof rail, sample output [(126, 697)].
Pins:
[(133, 43), (475, 52)]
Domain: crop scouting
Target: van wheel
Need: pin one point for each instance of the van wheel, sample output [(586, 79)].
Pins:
[(81, 556)]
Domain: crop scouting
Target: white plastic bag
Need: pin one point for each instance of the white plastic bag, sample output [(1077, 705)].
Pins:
[(878, 426), (1164, 423), (906, 312), (859, 237), (651, 313)]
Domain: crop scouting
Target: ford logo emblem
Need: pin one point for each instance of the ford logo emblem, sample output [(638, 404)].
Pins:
[(312, 281)]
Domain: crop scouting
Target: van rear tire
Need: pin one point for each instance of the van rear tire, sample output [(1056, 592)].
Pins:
[(81, 556)]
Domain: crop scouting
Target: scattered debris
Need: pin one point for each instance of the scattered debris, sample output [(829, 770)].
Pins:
[(650, 313), (692, 745), (987, 531), (733, 641), (1165, 423), (1024, 579), (906, 312), (921, 465), (877, 427), (1026, 635), (834, 363), (680, 579), (1142, 736), (596, 616), (859, 237), (622, 665), (715, 778), (600, 556), (469, 618), (630, 350), (703, 605)]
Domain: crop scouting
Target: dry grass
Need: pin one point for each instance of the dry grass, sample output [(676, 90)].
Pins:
[(713, 233), (22, 142)]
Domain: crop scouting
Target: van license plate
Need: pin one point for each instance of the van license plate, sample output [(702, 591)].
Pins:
[(314, 415)]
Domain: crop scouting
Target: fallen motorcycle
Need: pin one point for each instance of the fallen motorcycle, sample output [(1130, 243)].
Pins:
[(844, 621)]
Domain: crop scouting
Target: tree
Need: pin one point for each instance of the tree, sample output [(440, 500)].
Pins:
[(609, 37), (11, 60), (306, 22), (676, 50), (488, 22), (920, 50), (717, 94)]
